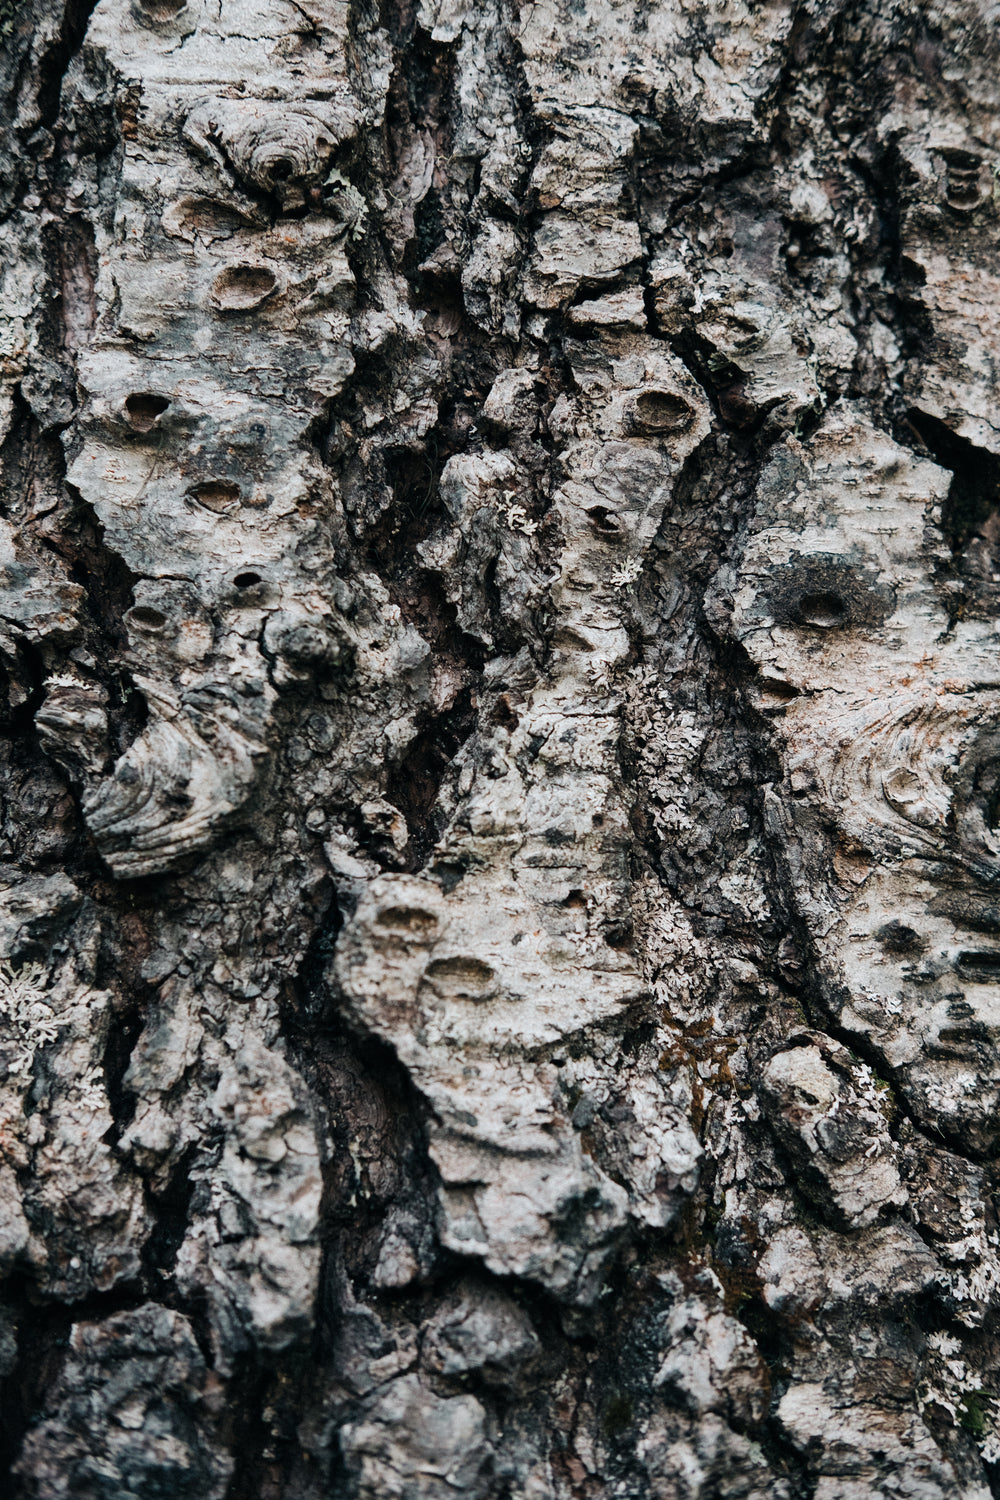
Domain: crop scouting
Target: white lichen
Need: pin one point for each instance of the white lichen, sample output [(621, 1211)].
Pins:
[(517, 520), (667, 741), (626, 574), (951, 1385), (601, 674), (25, 1014)]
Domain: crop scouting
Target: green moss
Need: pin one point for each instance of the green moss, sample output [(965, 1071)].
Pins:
[(973, 1418)]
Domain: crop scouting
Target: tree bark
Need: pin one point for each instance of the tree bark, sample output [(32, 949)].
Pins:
[(500, 705)]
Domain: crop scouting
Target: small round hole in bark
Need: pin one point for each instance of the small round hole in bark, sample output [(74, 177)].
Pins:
[(962, 161), (239, 288), (896, 937), (461, 978), (205, 217), (773, 690), (902, 785), (968, 1037), (281, 170), (963, 194), (983, 966), (246, 580), (147, 618), (603, 522), (822, 610), (142, 409), (963, 190), (408, 919), (161, 10), (568, 639), (662, 411), (215, 494)]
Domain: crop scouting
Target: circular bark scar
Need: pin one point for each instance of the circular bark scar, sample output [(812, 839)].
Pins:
[(143, 408), (661, 411), (822, 610), (964, 188), (204, 217), (461, 978), (159, 11), (218, 495), (243, 287), (146, 619), (282, 147), (407, 919), (829, 592)]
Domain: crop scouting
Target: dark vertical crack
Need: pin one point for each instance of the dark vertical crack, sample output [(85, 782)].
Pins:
[(56, 59)]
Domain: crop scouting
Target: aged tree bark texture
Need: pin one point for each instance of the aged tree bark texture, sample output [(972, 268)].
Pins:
[(500, 759)]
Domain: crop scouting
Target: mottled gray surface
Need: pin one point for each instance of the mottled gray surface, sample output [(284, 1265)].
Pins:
[(499, 801)]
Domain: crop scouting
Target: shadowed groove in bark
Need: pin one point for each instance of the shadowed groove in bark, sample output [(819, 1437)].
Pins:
[(56, 60), (974, 496)]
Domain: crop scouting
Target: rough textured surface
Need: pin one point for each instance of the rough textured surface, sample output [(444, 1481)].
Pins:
[(499, 729)]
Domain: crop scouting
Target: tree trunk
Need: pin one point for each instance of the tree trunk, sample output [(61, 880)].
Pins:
[(499, 897)]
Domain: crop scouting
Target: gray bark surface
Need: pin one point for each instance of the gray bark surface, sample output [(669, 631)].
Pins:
[(499, 728)]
